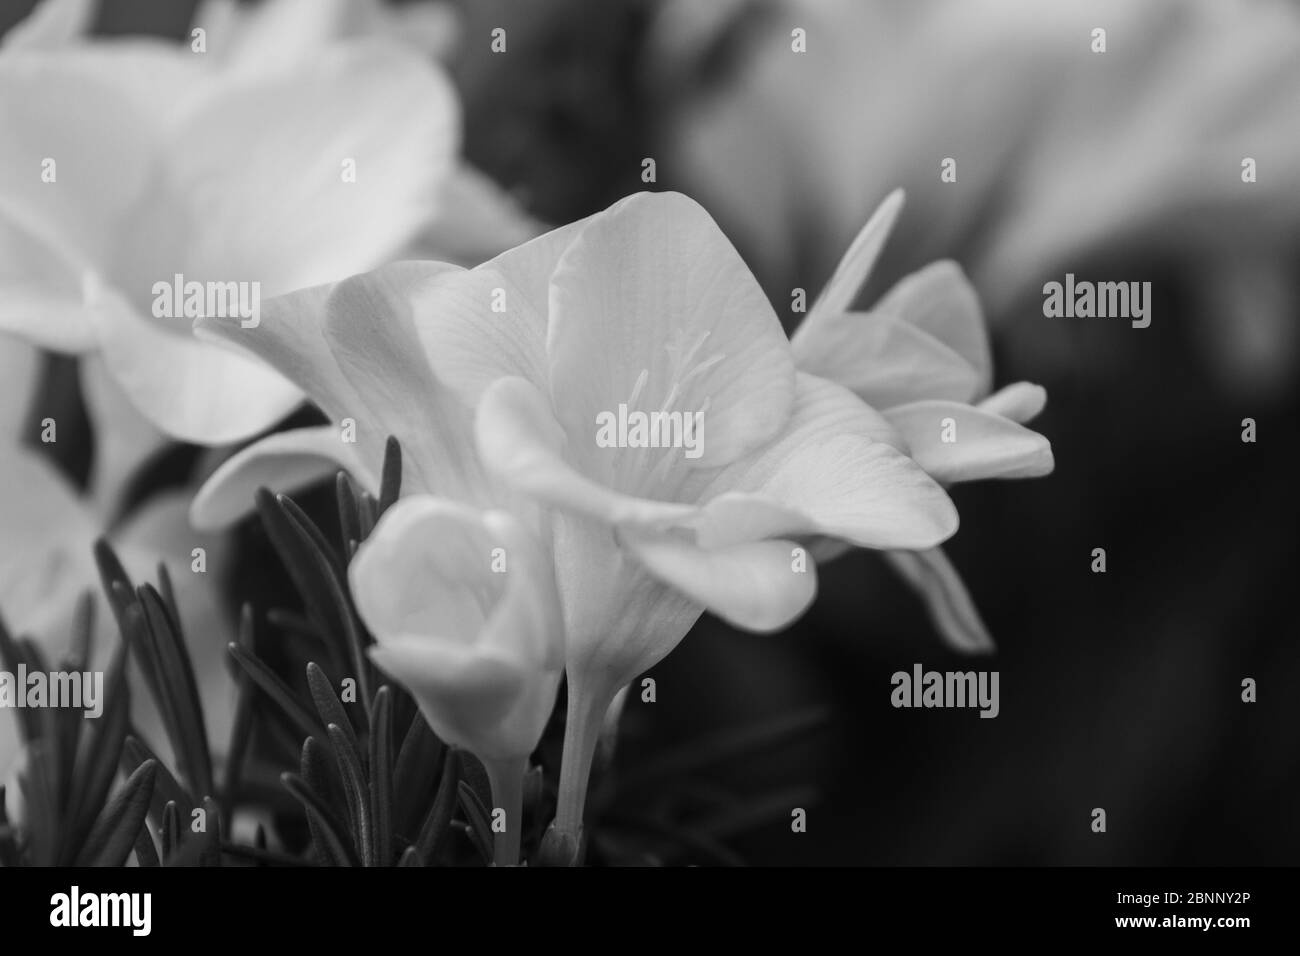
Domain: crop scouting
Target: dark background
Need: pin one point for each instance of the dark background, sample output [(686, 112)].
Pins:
[(1119, 690)]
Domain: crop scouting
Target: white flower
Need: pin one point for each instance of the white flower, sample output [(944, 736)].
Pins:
[(128, 161), (921, 356), (644, 304), (464, 610)]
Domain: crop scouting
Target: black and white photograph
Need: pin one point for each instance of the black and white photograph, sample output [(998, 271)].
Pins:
[(642, 434)]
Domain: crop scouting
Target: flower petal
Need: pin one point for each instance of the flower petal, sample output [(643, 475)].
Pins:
[(100, 143), (319, 198), (463, 692), (124, 439), (283, 462), (756, 585), (831, 473), (41, 292), (652, 306), (45, 548), (50, 25), (851, 273), (464, 606), (1021, 402), (940, 300), (370, 328), (884, 359), (475, 328), (983, 445), (290, 338), (194, 390), (951, 608), (520, 439)]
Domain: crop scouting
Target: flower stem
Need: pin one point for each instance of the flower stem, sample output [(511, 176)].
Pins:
[(586, 714), (507, 780)]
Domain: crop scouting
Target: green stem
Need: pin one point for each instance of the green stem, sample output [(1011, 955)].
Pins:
[(507, 780)]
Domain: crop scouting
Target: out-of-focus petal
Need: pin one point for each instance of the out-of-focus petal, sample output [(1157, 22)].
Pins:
[(951, 608), (319, 198), (51, 25), (853, 270), (270, 34), (194, 390), (982, 445), (124, 438), (42, 292), (75, 155), (284, 462), (290, 338), (45, 548)]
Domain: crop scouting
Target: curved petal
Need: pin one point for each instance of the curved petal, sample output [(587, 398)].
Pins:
[(831, 473), (270, 34), (651, 306), (520, 440), (318, 198), (884, 359), (46, 534), (194, 390), (124, 439), (75, 156), (982, 445), (951, 608), (855, 267), (370, 328), (757, 585), (940, 300), (469, 599), (1021, 402), (475, 329), (51, 25), (425, 572), (290, 338), (42, 291), (284, 462), (463, 692)]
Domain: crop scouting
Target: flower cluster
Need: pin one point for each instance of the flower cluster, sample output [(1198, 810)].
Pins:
[(525, 546)]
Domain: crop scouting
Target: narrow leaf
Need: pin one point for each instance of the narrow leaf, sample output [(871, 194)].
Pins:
[(114, 835)]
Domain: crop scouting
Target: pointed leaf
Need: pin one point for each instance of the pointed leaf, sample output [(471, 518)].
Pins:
[(114, 835)]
